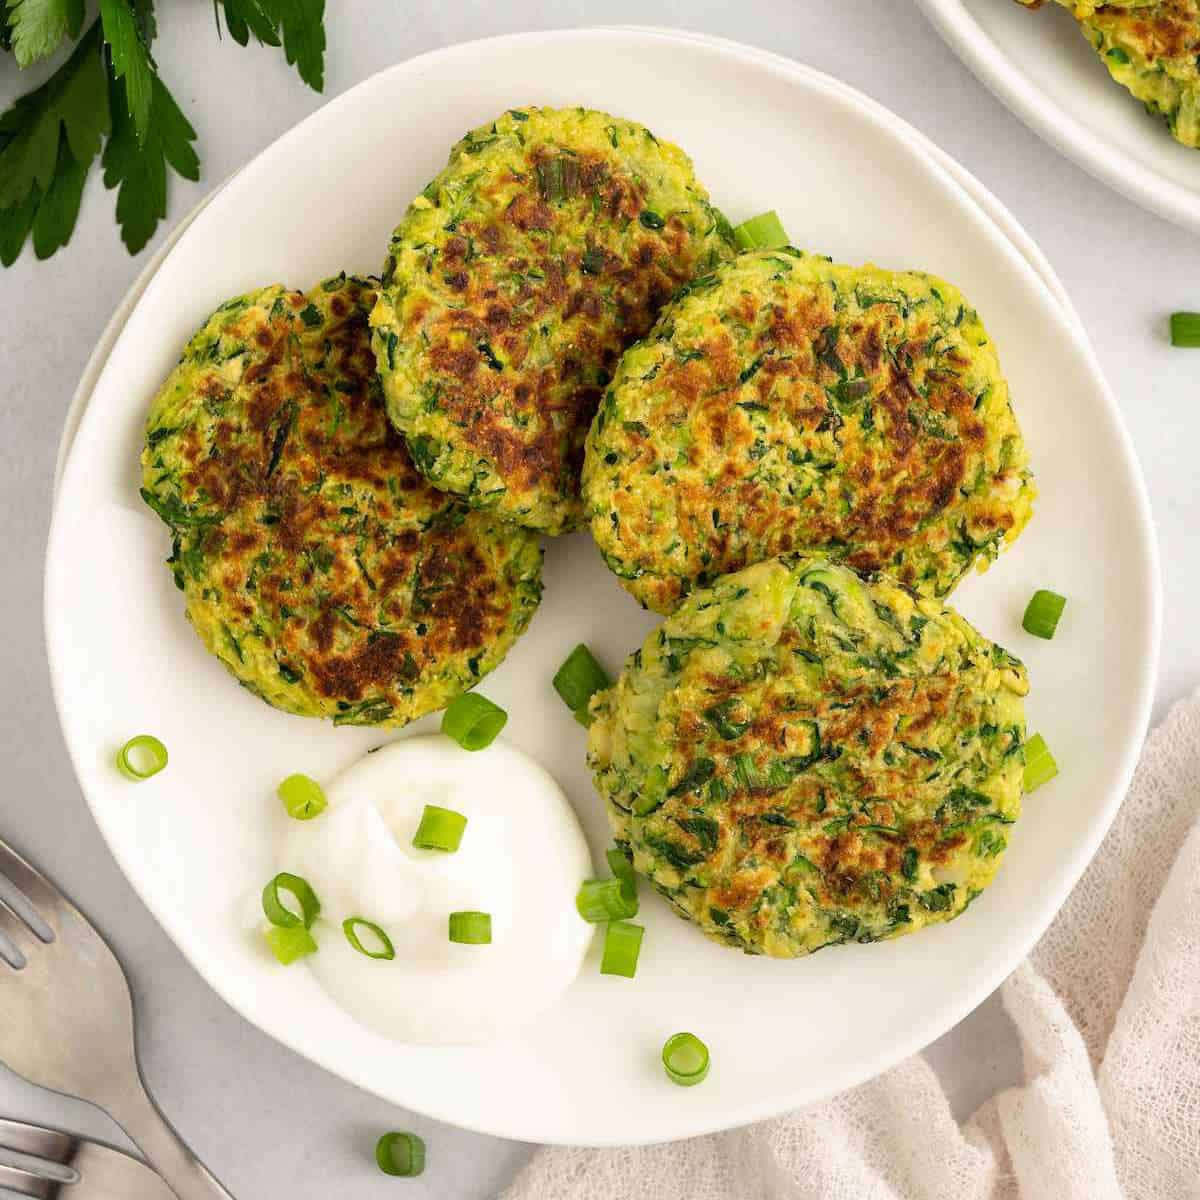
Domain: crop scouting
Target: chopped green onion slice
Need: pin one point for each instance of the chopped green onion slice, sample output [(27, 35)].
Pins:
[(685, 1058), (279, 913), (622, 869), (622, 944), (384, 950), (1042, 613), (473, 721), (764, 232), (653, 793), (400, 1154), (1040, 766), (440, 829), (303, 798), (290, 944), (141, 757), (1185, 329), (600, 900), (471, 928), (578, 679)]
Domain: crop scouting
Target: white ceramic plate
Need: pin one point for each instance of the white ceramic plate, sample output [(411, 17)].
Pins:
[(197, 840), (1040, 65)]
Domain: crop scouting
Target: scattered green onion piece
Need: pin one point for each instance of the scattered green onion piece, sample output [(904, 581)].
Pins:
[(141, 757), (1185, 329), (386, 950), (764, 232), (578, 679), (622, 945), (279, 914), (685, 1058), (1042, 613), (304, 798), (1040, 766), (471, 928), (600, 900), (653, 793), (290, 944), (622, 869), (473, 721), (401, 1154), (440, 829)]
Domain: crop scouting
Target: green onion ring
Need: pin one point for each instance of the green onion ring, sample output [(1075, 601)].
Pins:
[(471, 928), (290, 944), (685, 1058), (440, 829), (473, 721), (1042, 613), (601, 900), (141, 757), (1040, 766), (282, 916), (401, 1154), (304, 798), (764, 232), (578, 680), (622, 945), (1185, 329), (349, 927)]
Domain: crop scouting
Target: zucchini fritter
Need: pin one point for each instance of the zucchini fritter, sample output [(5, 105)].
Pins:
[(785, 403), (1151, 48), (798, 758), (546, 245), (316, 563)]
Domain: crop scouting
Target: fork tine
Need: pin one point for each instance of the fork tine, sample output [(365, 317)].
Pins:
[(13, 931), (51, 1144), (22, 1183), (40, 892)]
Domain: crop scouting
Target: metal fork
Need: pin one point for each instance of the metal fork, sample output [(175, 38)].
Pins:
[(49, 1165), (67, 1020)]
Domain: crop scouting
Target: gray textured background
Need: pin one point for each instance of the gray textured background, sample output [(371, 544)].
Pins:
[(270, 1124)]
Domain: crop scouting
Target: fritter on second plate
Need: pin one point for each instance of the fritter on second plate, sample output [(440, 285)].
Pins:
[(798, 758), (515, 280), (787, 403), (1155, 52), (1150, 47), (315, 562)]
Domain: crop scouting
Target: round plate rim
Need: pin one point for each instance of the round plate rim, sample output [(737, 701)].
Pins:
[(949, 1013)]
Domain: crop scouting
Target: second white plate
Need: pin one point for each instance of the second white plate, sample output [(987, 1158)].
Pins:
[(1039, 64)]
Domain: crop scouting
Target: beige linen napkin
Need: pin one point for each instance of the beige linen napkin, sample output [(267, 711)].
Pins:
[(1108, 1013)]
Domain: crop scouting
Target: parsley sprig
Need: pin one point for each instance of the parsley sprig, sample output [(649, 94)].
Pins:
[(108, 101)]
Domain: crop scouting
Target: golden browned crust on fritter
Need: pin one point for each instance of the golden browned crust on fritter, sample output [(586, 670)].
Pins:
[(316, 561), (548, 243), (786, 403)]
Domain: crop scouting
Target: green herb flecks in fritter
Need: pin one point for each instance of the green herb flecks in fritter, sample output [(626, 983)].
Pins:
[(547, 244), (1152, 48), (316, 563), (798, 758), (784, 403)]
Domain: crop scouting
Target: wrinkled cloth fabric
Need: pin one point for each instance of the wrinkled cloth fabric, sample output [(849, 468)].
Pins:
[(1107, 1010)]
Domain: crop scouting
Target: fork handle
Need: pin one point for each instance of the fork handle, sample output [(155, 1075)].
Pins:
[(136, 1112)]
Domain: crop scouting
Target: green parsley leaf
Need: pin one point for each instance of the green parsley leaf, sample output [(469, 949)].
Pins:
[(303, 25), (131, 61), (37, 26), (139, 169), (59, 207), (55, 128), (246, 17)]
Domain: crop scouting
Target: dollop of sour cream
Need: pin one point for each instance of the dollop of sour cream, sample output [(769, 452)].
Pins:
[(522, 858)]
